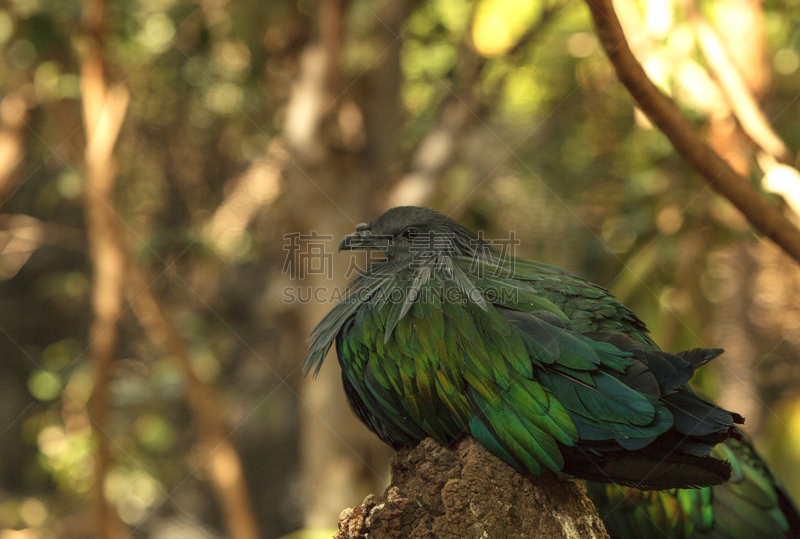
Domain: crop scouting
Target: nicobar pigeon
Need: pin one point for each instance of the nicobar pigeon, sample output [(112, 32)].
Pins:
[(448, 338), (752, 505)]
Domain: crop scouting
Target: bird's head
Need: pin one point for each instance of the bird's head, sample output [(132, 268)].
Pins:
[(409, 233)]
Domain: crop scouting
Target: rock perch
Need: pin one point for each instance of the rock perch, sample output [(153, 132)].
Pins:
[(467, 493)]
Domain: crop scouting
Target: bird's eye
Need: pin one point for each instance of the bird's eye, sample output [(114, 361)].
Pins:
[(409, 233)]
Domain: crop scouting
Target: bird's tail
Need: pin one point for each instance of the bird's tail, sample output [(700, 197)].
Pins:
[(646, 472)]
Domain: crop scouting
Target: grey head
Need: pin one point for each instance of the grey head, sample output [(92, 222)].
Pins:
[(407, 233)]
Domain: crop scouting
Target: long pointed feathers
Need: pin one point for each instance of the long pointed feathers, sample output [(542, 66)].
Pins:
[(472, 382)]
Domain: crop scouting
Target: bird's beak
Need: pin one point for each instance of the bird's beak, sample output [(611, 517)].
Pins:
[(362, 239)]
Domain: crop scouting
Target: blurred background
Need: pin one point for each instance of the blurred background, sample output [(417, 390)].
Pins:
[(175, 176)]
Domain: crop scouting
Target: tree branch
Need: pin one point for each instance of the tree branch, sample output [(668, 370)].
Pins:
[(14, 110), (662, 112), (435, 153), (103, 112), (258, 187), (221, 458), (744, 105)]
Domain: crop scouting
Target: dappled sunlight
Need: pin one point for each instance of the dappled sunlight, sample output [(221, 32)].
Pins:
[(782, 180), (156, 171), (498, 24)]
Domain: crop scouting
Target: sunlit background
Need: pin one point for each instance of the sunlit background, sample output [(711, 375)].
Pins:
[(246, 125)]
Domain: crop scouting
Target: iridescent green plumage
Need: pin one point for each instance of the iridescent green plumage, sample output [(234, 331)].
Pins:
[(544, 369), (750, 506)]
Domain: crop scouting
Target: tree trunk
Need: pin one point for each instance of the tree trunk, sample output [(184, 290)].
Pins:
[(466, 492)]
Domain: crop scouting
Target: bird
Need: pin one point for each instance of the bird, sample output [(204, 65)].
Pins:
[(448, 337), (751, 505)]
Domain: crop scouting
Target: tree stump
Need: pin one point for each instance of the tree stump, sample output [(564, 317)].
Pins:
[(468, 493)]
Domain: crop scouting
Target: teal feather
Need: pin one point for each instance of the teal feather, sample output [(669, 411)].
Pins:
[(491, 441)]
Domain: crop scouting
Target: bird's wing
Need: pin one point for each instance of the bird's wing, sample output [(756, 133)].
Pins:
[(520, 385), (588, 307), (461, 352), (451, 368), (607, 381)]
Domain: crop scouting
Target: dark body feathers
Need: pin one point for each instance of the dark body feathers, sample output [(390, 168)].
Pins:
[(544, 369)]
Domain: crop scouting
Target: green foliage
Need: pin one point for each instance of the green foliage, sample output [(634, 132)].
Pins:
[(552, 149)]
